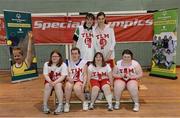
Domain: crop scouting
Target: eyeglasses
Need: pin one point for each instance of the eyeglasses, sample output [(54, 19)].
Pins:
[(54, 56)]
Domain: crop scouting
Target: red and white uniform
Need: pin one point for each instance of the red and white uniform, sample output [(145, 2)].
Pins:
[(54, 72), (105, 41), (127, 70), (85, 42), (99, 75), (76, 69)]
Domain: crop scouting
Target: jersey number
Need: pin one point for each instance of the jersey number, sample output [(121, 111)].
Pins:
[(88, 41)]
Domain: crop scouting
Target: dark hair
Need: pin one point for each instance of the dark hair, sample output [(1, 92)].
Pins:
[(60, 59), (75, 48), (103, 60), (127, 51), (102, 14), (90, 15), (18, 49)]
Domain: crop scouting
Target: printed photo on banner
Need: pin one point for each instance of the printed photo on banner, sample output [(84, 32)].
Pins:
[(20, 41)]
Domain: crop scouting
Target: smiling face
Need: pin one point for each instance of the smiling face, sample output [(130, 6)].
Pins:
[(98, 58), (101, 20), (89, 22), (127, 58), (18, 56), (55, 58)]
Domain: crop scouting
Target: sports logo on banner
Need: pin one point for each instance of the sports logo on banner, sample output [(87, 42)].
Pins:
[(20, 41), (164, 44)]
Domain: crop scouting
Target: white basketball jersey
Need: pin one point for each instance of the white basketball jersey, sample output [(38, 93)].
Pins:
[(85, 43), (99, 73), (105, 41), (76, 69), (127, 70)]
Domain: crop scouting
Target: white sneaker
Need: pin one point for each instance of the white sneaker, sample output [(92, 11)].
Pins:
[(46, 109), (91, 106), (59, 109), (85, 106), (66, 107), (136, 107), (110, 107), (116, 106)]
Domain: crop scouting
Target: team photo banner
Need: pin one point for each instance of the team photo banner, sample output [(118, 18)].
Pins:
[(60, 29), (19, 37), (164, 44)]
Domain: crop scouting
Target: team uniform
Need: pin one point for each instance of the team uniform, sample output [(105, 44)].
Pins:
[(99, 75), (104, 42), (16, 70), (84, 38), (127, 70), (76, 70), (54, 72)]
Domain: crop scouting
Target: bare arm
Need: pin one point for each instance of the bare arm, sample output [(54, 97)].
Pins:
[(116, 74), (139, 72), (28, 58), (113, 43), (60, 79), (110, 78)]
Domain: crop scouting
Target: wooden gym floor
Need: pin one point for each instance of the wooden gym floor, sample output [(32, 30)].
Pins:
[(158, 97)]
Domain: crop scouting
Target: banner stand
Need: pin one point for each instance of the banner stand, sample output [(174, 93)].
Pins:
[(20, 41), (164, 44)]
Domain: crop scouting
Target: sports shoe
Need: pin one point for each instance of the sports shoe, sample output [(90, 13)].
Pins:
[(66, 107), (136, 107), (91, 106), (116, 106), (59, 109), (85, 106), (45, 109), (110, 107)]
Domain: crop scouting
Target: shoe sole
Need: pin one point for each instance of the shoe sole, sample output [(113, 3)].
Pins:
[(48, 112), (57, 113)]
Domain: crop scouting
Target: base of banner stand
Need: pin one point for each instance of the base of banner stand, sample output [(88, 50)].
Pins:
[(165, 77)]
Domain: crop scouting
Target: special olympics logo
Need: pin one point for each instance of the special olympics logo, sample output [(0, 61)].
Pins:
[(18, 15)]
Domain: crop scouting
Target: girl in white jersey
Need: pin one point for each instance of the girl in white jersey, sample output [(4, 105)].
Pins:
[(54, 72), (100, 77), (126, 74), (76, 79), (104, 39), (83, 38)]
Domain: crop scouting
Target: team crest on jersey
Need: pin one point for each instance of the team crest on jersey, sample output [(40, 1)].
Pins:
[(87, 39), (102, 39), (54, 75)]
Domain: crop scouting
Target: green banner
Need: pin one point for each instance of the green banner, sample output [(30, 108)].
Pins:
[(20, 41), (164, 44)]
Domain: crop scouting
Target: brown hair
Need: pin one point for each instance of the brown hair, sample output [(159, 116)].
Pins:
[(18, 49), (127, 51), (75, 48), (102, 14), (60, 60), (90, 15), (103, 60)]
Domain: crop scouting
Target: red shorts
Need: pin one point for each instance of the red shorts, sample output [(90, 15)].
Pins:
[(111, 63), (126, 81), (98, 83)]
